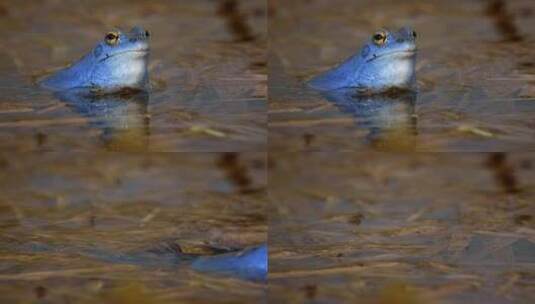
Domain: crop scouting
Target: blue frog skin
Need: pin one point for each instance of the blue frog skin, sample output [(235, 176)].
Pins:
[(386, 61), (118, 61), (250, 263)]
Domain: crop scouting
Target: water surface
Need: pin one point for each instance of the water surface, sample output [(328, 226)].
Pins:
[(108, 228), (399, 228)]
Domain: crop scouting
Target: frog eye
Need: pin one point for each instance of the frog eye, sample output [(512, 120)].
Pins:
[(111, 38), (379, 38)]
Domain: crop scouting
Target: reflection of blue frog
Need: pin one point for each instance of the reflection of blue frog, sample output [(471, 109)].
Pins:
[(380, 113), (120, 116)]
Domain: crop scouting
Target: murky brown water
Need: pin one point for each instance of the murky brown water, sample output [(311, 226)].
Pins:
[(475, 71), (209, 82), (80, 230), (389, 228)]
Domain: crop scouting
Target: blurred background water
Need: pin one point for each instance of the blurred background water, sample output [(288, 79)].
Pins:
[(401, 228)]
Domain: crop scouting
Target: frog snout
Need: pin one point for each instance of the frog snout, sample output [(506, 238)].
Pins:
[(138, 33)]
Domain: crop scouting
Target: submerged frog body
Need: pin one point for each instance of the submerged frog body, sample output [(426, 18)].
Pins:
[(118, 62), (386, 61), (250, 263)]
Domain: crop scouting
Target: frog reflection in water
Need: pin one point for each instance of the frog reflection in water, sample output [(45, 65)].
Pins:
[(118, 62), (386, 61), (389, 118), (123, 119)]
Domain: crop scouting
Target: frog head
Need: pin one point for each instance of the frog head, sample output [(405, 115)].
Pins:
[(388, 59), (120, 59)]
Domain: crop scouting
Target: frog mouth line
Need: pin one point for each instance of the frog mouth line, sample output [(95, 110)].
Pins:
[(405, 53), (143, 51)]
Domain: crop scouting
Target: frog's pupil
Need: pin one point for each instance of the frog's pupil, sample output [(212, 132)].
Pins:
[(147, 33), (110, 36), (378, 37)]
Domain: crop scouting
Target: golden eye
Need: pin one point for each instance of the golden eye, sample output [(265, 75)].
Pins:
[(111, 38), (379, 38)]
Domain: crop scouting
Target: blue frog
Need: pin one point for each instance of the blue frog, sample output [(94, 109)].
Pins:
[(250, 263), (118, 61), (387, 60)]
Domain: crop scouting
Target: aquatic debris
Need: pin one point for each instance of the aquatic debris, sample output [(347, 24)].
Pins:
[(15, 110), (149, 217), (3, 11), (44, 122), (503, 172), (41, 138), (40, 292), (42, 275), (236, 22), (235, 171), (475, 131), (308, 138), (503, 20), (371, 269), (523, 219), (311, 290), (207, 130)]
